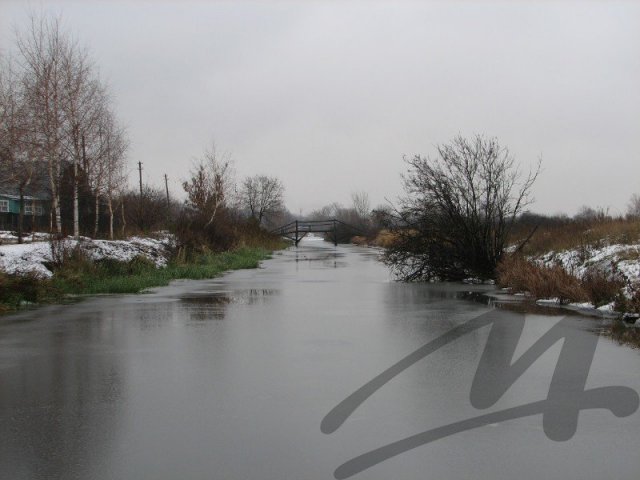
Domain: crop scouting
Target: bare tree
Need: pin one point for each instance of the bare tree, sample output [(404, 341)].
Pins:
[(41, 49), (589, 214), (103, 162), (209, 187), (84, 106), (633, 208), (19, 169), (458, 211), (362, 209), (262, 196), (327, 212), (114, 157), (146, 212), (361, 204), (67, 111)]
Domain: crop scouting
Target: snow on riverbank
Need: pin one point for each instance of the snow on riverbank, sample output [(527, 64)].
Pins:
[(620, 261), (30, 258), (624, 259)]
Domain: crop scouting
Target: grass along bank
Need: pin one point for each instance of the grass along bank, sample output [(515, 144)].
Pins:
[(80, 275), (112, 276), (592, 263)]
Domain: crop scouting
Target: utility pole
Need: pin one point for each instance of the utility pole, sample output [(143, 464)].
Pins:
[(140, 175), (76, 210), (166, 187), (140, 207)]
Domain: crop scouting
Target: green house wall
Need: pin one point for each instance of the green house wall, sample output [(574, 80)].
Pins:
[(14, 205)]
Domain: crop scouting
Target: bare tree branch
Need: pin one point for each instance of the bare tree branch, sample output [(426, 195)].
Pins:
[(458, 210)]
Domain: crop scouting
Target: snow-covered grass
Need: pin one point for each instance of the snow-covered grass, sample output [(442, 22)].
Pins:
[(611, 259), (47, 272), (36, 258), (7, 236), (601, 276)]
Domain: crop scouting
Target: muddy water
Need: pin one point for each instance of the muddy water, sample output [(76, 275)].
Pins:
[(231, 379)]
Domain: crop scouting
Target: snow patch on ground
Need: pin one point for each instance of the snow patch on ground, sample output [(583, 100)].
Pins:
[(30, 258), (624, 259), (620, 260), (11, 237)]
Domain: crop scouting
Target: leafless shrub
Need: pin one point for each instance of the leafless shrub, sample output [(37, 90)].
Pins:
[(633, 208), (458, 212), (209, 186), (629, 302), (601, 287), (61, 250)]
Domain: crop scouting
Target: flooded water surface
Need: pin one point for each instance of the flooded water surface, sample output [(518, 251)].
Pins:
[(232, 378)]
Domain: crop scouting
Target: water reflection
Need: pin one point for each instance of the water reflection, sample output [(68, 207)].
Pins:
[(330, 259), (623, 334), (205, 307), (59, 403), (230, 378)]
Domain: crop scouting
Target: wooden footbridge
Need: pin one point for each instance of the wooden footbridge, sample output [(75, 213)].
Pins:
[(298, 229)]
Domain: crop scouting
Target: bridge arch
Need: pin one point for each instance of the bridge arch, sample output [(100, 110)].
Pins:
[(298, 229)]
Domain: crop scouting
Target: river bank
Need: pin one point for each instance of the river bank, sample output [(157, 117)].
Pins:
[(232, 377), (53, 272)]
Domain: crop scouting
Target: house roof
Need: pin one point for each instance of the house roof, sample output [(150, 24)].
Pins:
[(26, 197), (30, 194)]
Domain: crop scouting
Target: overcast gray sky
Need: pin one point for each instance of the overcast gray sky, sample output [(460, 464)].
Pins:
[(329, 95)]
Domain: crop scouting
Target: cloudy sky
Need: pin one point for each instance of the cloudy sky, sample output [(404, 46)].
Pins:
[(329, 95)]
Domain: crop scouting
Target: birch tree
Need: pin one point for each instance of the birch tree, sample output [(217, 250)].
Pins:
[(41, 50), (113, 161), (69, 113), (84, 104), (16, 160)]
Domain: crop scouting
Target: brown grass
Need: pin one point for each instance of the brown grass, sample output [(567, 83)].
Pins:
[(572, 234), (539, 282), (601, 289), (359, 240), (384, 239)]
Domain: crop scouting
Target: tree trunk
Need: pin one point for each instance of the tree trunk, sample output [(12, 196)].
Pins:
[(33, 219), (21, 215), (124, 222), (55, 201), (110, 206), (76, 213), (96, 225)]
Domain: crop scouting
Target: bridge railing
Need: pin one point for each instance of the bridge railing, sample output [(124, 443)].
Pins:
[(310, 226), (297, 229)]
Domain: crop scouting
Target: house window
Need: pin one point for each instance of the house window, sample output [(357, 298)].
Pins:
[(38, 210), (4, 205), (28, 209)]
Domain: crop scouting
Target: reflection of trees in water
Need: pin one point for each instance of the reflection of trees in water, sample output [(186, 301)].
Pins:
[(58, 403), (324, 260), (152, 317), (623, 334), (213, 306), (206, 307)]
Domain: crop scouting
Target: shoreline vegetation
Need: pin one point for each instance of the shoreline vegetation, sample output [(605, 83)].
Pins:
[(589, 264), (75, 273)]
